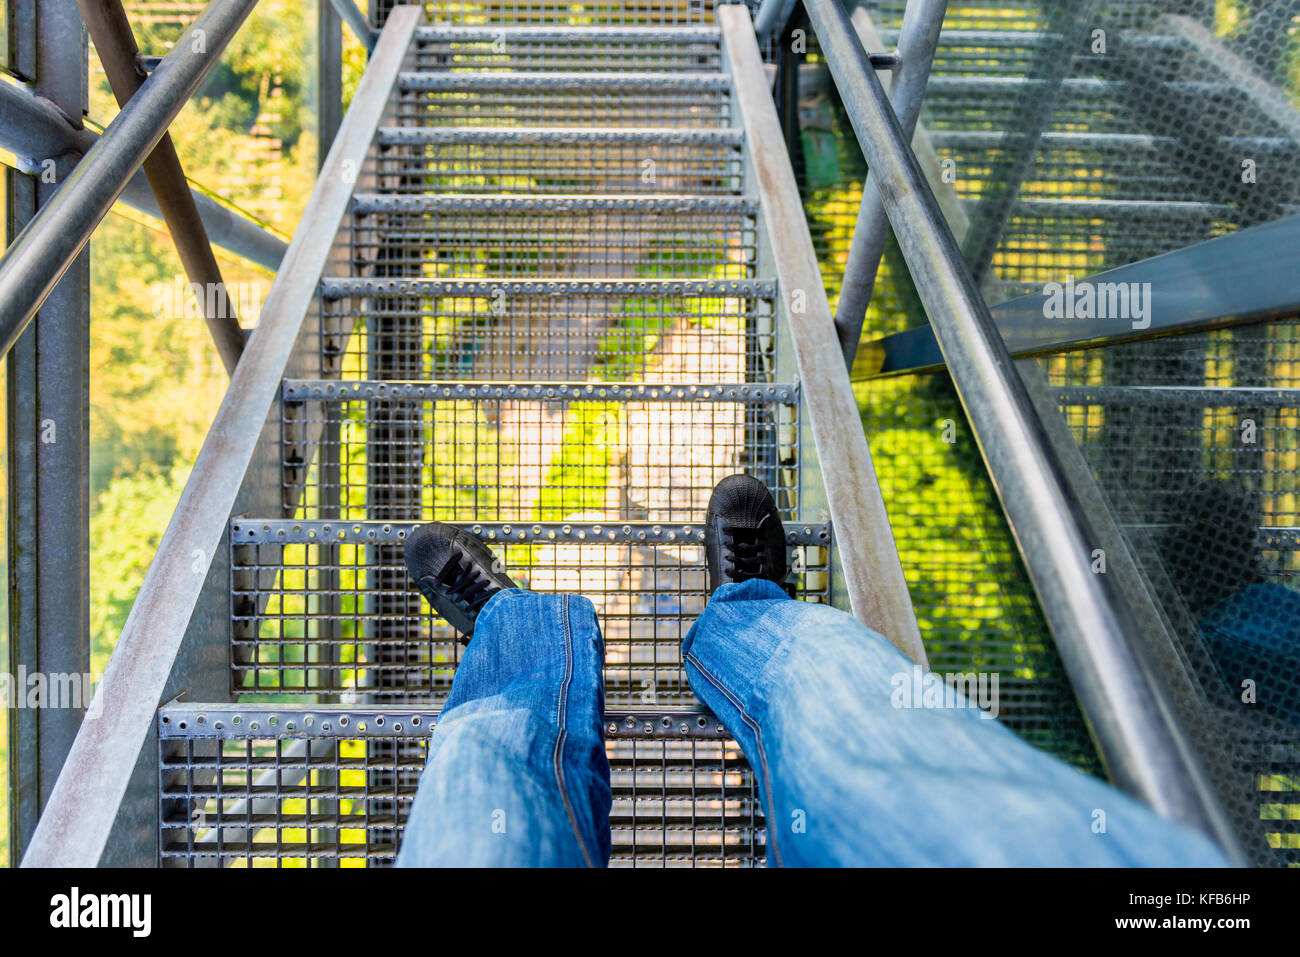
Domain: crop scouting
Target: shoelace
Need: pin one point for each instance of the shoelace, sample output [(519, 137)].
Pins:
[(464, 582), (744, 549)]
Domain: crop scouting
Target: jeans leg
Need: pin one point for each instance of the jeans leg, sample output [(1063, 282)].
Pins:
[(517, 773), (854, 769)]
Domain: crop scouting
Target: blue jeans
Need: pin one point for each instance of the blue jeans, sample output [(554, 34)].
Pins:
[(1254, 635), (860, 760)]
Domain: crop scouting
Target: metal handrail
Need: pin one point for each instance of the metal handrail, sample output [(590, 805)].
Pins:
[(77, 821), (873, 574), (1138, 736), (43, 251)]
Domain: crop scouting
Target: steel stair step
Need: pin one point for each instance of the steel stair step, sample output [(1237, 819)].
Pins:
[(498, 204), (941, 86), (682, 793), (334, 390), (508, 236), (551, 329), (338, 288), (1191, 397), (1026, 39), (1125, 143), (568, 34), (572, 82), (557, 135), (1120, 208), (326, 606), (559, 159)]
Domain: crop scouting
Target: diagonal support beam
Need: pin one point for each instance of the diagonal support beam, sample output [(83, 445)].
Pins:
[(922, 21), (357, 22), (111, 32), (43, 251), (1243, 278)]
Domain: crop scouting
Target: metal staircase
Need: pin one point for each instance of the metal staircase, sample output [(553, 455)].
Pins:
[(557, 320), (556, 281)]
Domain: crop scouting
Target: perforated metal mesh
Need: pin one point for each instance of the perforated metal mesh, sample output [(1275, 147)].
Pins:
[(295, 787), (973, 601)]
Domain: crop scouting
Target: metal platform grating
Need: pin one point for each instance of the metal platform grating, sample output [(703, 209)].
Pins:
[(327, 607), (479, 236), (548, 331), (469, 160), (470, 451), (317, 787)]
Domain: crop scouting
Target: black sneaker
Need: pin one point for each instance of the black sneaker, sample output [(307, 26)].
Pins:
[(455, 571), (743, 535)]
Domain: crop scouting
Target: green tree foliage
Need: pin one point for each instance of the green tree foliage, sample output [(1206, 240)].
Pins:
[(249, 137)]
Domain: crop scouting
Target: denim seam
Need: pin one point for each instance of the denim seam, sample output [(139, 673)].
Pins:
[(762, 752), (558, 756)]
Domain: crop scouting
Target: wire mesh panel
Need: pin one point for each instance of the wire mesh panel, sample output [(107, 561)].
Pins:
[(314, 609), (569, 331), (554, 237), (540, 160), (297, 787), (1196, 440), (1096, 135)]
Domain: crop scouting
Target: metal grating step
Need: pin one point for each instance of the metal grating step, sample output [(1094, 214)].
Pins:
[(566, 35), (535, 451), (1196, 397), (542, 330), (560, 160), (553, 289), (567, 48), (506, 204), (567, 83), (327, 607), (606, 99), (305, 786), (1156, 442), (615, 99), (529, 237), (563, 136)]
